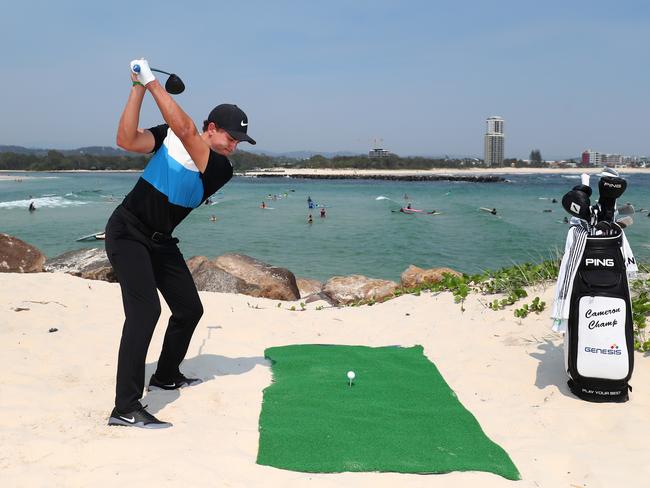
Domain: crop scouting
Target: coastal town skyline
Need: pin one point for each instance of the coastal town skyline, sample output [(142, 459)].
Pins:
[(423, 77)]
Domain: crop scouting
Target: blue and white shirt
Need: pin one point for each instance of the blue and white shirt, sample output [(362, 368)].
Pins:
[(171, 185)]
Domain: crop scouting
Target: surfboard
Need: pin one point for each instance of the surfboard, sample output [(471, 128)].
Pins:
[(485, 209), (97, 236)]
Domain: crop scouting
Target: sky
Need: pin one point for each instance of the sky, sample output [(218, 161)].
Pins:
[(417, 77)]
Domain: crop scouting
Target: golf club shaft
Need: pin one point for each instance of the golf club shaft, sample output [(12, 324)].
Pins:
[(160, 71)]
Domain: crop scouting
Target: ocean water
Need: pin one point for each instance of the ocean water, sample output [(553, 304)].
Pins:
[(360, 235)]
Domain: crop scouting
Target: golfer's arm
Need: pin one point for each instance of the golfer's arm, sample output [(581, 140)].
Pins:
[(129, 136), (181, 124)]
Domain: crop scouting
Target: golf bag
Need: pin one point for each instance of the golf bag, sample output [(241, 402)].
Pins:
[(599, 341), (592, 299)]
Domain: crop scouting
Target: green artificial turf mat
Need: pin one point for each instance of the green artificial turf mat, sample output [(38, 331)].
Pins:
[(399, 415)]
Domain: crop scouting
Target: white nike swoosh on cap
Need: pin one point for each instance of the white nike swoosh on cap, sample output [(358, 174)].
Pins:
[(129, 420), (244, 125)]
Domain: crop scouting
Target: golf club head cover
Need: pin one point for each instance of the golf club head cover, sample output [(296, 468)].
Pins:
[(577, 203), (141, 68), (609, 189)]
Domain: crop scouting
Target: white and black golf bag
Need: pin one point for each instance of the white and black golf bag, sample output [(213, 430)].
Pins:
[(592, 301), (599, 342)]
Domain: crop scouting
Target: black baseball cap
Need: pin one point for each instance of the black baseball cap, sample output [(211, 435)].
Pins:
[(233, 120)]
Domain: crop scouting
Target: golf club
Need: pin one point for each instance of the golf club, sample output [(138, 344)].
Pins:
[(627, 209), (173, 85), (577, 203), (624, 222), (610, 188)]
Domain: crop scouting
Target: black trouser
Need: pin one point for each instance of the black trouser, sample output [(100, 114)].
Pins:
[(144, 266)]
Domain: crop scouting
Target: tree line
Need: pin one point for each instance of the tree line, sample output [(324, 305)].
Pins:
[(242, 161)]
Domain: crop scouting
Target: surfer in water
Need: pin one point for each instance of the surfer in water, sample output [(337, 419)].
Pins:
[(187, 167), (32, 207)]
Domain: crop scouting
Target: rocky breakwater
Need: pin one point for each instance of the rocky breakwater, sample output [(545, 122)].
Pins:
[(89, 263), (229, 273), (16, 256), (238, 273)]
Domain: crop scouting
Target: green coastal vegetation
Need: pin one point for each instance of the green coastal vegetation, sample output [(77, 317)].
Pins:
[(117, 160), (511, 283)]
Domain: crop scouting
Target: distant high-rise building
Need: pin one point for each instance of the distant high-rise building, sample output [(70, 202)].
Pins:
[(494, 142), (594, 158)]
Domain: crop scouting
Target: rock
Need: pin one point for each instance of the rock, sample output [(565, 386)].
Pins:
[(266, 280), (414, 276), (210, 277), (90, 263), (317, 297), (17, 256), (350, 289), (308, 287)]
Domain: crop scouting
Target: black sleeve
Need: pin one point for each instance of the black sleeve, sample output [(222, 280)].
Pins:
[(159, 133), (217, 173)]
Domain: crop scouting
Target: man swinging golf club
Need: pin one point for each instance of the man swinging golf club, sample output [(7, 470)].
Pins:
[(186, 168)]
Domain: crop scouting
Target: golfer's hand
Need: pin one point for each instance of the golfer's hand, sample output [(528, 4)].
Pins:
[(140, 67)]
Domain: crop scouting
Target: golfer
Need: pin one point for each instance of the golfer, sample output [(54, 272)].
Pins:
[(185, 169)]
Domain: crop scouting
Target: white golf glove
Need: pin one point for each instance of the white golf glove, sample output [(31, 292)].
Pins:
[(141, 68)]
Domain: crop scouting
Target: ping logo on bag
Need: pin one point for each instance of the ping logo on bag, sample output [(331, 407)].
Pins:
[(616, 186), (608, 262)]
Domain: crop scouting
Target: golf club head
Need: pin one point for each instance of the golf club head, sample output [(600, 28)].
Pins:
[(606, 171), (624, 222), (174, 85), (627, 209), (604, 226), (577, 203), (610, 188)]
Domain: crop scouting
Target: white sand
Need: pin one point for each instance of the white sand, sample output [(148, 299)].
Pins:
[(56, 392), (19, 175)]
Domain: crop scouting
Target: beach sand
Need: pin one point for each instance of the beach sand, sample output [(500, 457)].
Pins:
[(57, 390), (18, 175)]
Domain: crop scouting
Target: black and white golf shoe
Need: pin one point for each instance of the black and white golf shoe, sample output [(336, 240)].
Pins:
[(180, 382), (137, 418)]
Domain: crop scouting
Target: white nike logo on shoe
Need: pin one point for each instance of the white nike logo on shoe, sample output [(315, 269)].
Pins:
[(129, 420), (170, 386), (244, 125)]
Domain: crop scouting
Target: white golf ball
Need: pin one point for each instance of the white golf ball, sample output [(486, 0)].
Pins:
[(351, 375)]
